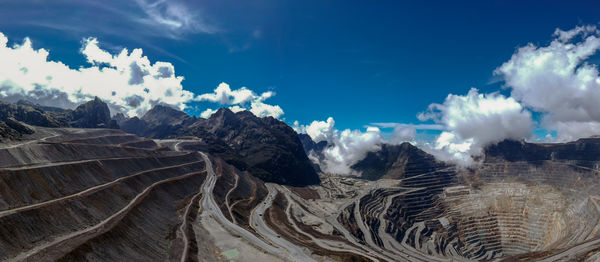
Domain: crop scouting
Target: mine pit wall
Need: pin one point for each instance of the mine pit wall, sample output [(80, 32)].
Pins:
[(347, 219), (555, 200), (147, 232), (496, 210), (420, 205), (520, 207), (371, 206), (111, 139), (59, 190), (276, 218), (24, 230), (45, 153), (249, 192), (38, 184)]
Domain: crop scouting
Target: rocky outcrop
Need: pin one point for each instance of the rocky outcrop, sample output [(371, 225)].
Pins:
[(271, 148), (93, 114), (266, 147), (585, 149), (396, 162), (313, 150), (12, 129), (160, 122), (31, 115), (309, 145)]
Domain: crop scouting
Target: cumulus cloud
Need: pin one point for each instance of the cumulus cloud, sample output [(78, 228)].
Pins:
[(241, 99), (345, 148), (406, 132), (128, 81), (558, 81), (474, 121)]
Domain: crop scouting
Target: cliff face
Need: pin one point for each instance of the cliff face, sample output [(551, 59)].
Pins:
[(585, 149), (160, 122), (12, 129), (266, 147), (271, 148), (93, 114), (395, 162)]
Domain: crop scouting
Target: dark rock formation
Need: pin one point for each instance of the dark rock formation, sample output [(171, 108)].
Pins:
[(585, 149), (395, 161), (31, 115), (310, 147), (271, 148), (93, 114), (12, 129), (160, 122), (266, 147)]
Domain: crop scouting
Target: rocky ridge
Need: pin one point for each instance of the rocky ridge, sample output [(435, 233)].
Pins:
[(266, 147)]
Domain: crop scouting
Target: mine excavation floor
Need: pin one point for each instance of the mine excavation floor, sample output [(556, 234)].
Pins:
[(104, 195)]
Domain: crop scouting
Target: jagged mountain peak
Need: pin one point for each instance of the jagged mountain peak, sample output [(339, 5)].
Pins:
[(94, 113), (266, 147), (161, 114)]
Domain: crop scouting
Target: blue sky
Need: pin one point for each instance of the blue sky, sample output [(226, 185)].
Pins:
[(359, 62)]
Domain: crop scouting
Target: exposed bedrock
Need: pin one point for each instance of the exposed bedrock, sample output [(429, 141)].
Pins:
[(266, 147), (523, 201), (94, 194), (500, 209)]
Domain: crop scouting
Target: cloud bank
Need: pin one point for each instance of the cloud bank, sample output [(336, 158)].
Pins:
[(557, 82), (345, 148), (475, 120), (127, 81), (241, 99)]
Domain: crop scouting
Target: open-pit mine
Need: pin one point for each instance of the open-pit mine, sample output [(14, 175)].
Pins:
[(99, 194)]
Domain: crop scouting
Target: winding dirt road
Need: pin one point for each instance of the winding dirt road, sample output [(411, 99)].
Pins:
[(210, 205)]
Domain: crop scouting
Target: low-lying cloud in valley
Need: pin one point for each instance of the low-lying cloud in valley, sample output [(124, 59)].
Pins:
[(555, 81), (346, 147), (475, 120)]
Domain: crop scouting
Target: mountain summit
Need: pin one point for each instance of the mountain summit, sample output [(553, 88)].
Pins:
[(266, 147)]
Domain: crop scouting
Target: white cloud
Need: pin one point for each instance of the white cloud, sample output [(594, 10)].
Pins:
[(321, 130), (127, 81), (557, 81), (345, 148), (406, 132), (474, 121), (403, 134), (225, 96), (241, 99), (207, 113)]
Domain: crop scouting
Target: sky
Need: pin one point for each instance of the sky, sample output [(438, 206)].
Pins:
[(387, 66)]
